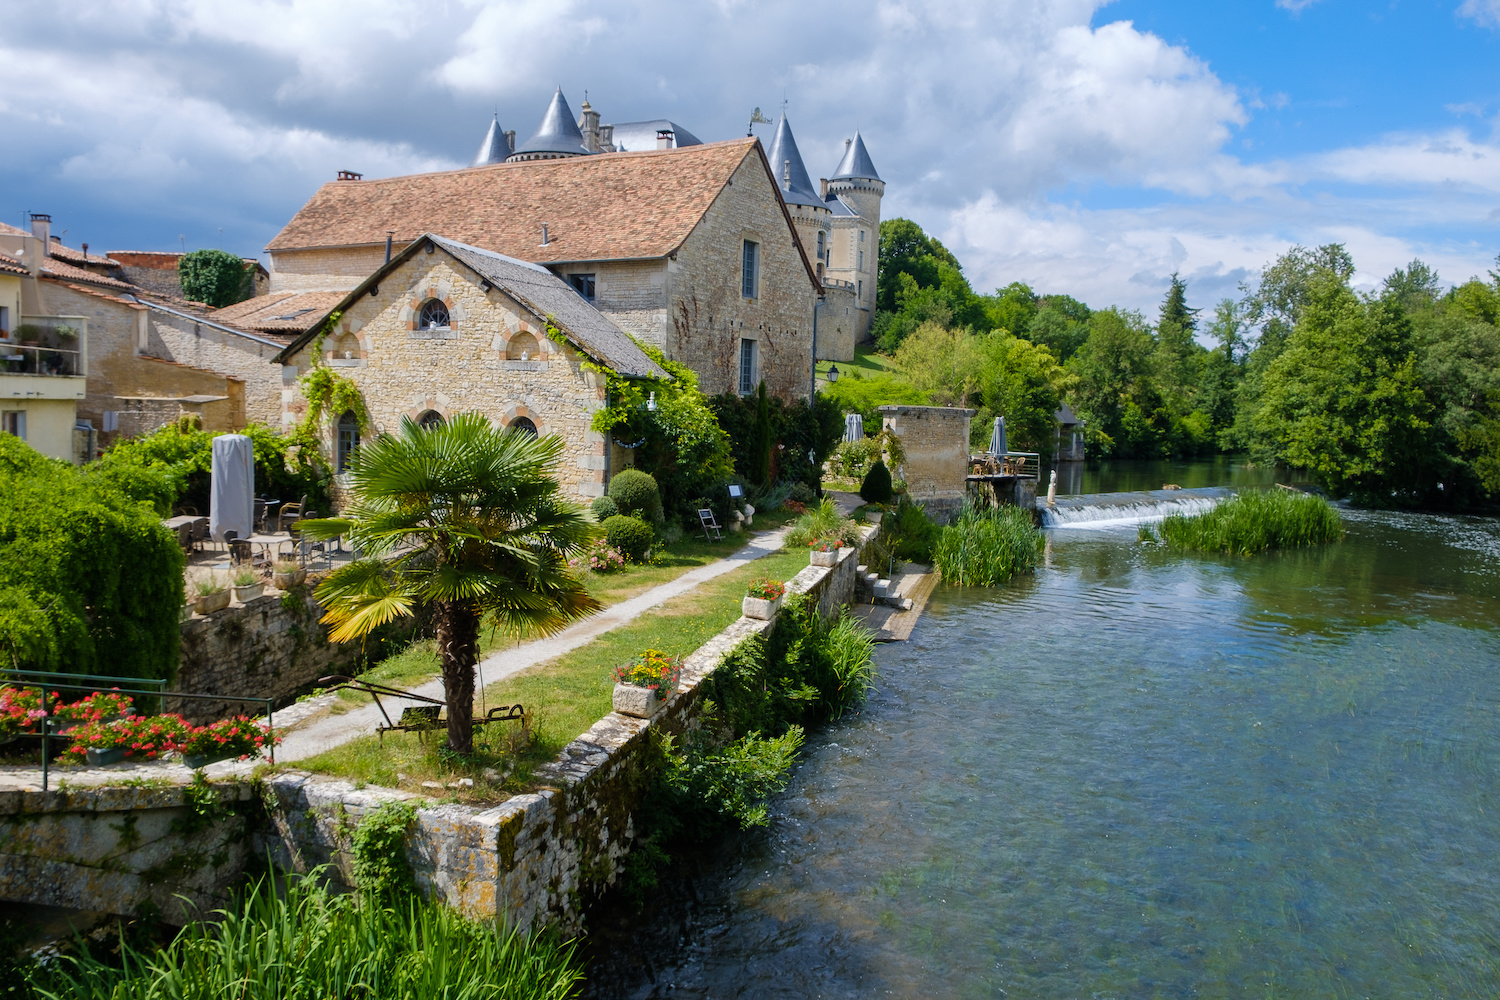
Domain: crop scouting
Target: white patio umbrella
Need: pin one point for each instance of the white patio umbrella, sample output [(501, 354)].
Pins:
[(997, 439), (231, 499)]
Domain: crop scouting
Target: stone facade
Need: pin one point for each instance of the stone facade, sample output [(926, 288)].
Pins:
[(936, 442), (474, 365), (854, 245), (839, 322)]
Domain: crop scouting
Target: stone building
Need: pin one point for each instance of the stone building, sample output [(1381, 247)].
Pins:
[(144, 359), (690, 248), (444, 328)]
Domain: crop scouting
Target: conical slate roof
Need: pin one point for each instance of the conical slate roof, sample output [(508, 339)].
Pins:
[(494, 148), (786, 164), (856, 162), (558, 133)]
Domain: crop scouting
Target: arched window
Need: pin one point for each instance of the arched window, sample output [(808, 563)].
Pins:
[(430, 419), (522, 347), (434, 315), (348, 442), (522, 425)]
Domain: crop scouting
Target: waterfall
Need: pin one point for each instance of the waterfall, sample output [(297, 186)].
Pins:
[(1108, 510)]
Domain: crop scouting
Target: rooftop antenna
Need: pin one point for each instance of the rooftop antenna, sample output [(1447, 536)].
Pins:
[(182, 238), (756, 118)]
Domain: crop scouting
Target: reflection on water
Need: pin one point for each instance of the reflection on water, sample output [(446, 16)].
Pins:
[(1137, 775), (1122, 476)]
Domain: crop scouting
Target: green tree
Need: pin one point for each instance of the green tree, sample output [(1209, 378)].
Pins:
[(465, 518), (906, 249), (1061, 323), (1116, 388), (1011, 309), (215, 277), (1343, 398), (1179, 356), (1219, 386)]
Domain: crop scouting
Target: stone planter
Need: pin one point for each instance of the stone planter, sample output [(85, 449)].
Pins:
[(875, 516), (246, 594), (198, 760), (830, 558), (207, 604), (760, 608), (98, 758), (286, 581), (642, 703), (187, 612)]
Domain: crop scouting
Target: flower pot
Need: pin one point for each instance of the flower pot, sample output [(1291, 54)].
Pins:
[(198, 760), (829, 558), (98, 758), (875, 516), (760, 608), (250, 593), (207, 604), (286, 581), (642, 703)]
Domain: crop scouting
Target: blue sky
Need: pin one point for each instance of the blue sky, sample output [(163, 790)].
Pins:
[(1084, 147)]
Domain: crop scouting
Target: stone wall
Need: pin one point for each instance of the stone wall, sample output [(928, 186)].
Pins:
[(210, 347), (838, 323), (535, 858), (109, 851), (936, 442), (404, 372), (270, 647), (330, 269)]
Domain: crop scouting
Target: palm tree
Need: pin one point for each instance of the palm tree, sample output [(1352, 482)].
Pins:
[(462, 517)]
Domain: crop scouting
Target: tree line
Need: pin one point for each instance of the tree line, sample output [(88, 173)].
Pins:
[(1390, 397)]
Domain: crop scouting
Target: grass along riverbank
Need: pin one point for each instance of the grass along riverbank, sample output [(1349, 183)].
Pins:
[(565, 696), (1251, 522)]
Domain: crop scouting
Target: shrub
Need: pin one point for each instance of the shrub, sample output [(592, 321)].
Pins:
[(851, 647), (630, 535), (803, 493), (604, 508), (1255, 521), (307, 940), (635, 492), (379, 849), (652, 669), (822, 523), (601, 557), (876, 487), (909, 534), (985, 546), (215, 277), (852, 459)]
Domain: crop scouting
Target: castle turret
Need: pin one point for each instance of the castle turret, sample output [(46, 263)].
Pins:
[(557, 136), (810, 214), (496, 145), (853, 196)]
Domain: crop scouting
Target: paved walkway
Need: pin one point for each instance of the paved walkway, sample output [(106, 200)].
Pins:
[(320, 734)]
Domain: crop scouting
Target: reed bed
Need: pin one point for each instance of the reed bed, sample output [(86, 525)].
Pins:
[(311, 943), (1256, 521), (986, 545)]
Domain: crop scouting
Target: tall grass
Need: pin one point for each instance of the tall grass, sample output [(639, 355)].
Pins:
[(851, 650), (312, 944), (822, 522), (1255, 521), (987, 545)]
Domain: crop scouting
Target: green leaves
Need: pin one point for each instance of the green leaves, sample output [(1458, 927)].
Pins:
[(215, 277)]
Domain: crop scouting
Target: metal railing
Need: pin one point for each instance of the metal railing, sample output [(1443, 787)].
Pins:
[(48, 361), (46, 682), (1015, 464)]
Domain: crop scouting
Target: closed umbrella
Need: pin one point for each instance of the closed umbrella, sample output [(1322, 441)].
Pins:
[(854, 427), (997, 439), (231, 499)]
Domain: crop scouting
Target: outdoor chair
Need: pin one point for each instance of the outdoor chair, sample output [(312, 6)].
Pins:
[(706, 519), (306, 547), (185, 511), (185, 538), (200, 531), (239, 548), (258, 519), (291, 513)]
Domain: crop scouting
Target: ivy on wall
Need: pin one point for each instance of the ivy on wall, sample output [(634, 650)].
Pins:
[(327, 392)]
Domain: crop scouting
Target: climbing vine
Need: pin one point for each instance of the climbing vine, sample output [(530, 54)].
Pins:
[(379, 849)]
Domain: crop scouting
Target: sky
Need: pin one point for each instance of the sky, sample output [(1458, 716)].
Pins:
[(1084, 147)]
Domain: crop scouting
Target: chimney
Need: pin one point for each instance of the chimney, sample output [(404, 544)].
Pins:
[(510, 139), (607, 138), (545, 240), (823, 187), (349, 175), (41, 228), (664, 138), (389, 234), (85, 253)]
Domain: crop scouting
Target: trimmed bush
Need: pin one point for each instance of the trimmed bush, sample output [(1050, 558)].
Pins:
[(604, 508), (803, 493), (630, 535), (635, 492), (1256, 521), (909, 533), (985, 546), (877, 485)]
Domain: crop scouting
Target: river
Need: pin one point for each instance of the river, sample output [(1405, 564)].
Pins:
[(1135, 774)]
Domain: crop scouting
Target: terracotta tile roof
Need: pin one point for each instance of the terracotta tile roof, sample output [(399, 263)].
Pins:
[(62, 270), (615, 206), (280, 313), (9, 265), (72, 256), (103, 295)]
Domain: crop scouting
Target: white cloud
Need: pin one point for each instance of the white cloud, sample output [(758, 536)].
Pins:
[(1486, 12), (1295, 6)]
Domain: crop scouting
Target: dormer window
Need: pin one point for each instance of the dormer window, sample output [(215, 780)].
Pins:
[(434, 315)]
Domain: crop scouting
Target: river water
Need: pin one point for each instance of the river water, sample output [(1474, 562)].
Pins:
[(1135, 774)]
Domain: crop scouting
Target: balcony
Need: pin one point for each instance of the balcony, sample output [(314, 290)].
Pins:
[(46, 346)]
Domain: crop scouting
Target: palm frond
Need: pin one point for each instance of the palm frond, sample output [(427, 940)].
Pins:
[(362, 596)]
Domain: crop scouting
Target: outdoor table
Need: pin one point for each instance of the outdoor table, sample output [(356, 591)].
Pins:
[(266, 542), (176, 522), (272, 506)]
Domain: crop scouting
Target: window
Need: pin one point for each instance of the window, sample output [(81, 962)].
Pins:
[(348, 442), (747, 367), (748, 268), (429, 420), (14, 422), (583, 284), (820, 244), (434, 315), (860, 294), (4, 319), (522, 425), (861, 260), (861, 235), (522, 347)]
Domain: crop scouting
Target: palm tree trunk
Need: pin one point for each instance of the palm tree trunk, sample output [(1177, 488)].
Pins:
[(457, 626)]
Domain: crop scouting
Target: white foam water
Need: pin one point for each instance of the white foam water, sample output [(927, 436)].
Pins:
[(1113, 510)]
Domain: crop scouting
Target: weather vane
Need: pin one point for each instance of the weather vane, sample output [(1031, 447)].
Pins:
[(756, 118)]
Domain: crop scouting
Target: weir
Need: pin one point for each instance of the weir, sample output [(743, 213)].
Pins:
[(1107, 510)]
